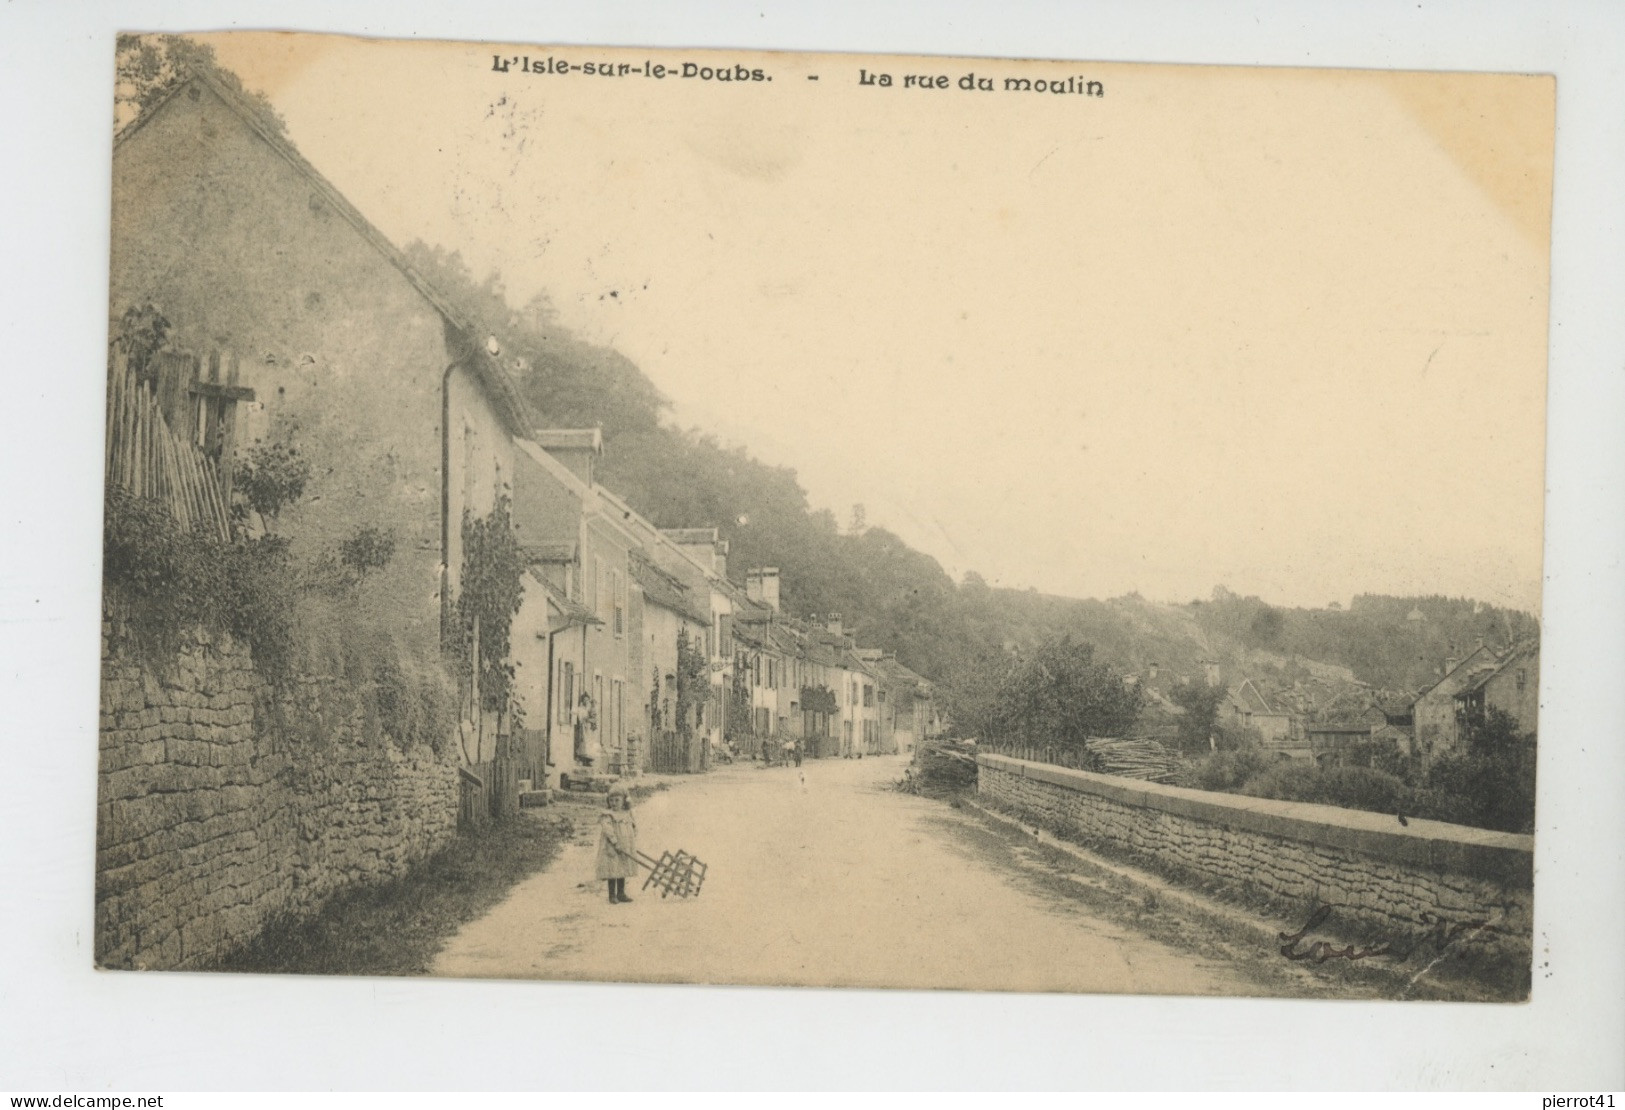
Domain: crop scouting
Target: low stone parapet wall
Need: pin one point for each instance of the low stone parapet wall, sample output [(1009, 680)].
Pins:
[(1418, 879)]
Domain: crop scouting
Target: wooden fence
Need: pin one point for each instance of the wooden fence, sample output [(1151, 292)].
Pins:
[(487, 792), (673, 754), (146, 458)]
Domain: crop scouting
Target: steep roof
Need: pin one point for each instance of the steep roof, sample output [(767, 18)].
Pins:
[(570, 609), (1468, 664), (503, 393), (1248, 698), (1484, 675), (662, 589)]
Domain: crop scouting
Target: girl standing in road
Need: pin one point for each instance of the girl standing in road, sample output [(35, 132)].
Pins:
[(617, 844)]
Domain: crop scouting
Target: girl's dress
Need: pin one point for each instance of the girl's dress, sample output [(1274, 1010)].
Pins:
[(617, 828)]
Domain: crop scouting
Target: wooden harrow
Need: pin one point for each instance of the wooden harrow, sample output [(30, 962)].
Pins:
[(674, 873)]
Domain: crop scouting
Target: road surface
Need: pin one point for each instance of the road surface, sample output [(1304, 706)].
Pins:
[(828, 877)]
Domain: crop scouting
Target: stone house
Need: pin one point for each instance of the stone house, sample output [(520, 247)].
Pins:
[(906, 710), (699, 558), (577, 643), (668, 612), (1245, 706), (1328, 740), (353, 359), (1512, 686), (861, 706), (1433, 713)]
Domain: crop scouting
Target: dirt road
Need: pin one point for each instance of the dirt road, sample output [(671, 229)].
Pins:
[(828, 880)]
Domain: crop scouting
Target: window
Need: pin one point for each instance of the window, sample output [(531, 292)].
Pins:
[(620, 713), (597, 586), (868, 695), (616, 602), (566, 691), (725, 633)]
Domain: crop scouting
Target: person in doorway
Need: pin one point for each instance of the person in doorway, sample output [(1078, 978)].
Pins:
[(617, 844), (582, 720)]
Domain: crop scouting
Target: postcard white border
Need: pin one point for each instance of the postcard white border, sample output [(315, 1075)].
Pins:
[(65, 1027)]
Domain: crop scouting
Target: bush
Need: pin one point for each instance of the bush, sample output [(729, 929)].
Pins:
[(416, 700), (1226, 772), (272, 477), (1489, 791), (169, 581), (1349, 787), (1381, 755), (368, 549)]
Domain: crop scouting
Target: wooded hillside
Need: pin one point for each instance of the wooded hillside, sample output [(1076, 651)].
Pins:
[(900, 599)]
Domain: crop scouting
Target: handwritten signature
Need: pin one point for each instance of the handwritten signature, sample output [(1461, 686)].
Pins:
[(1441, 931), (1320, 951)]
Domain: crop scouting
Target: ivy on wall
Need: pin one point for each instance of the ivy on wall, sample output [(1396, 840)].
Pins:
[(693, 683), (488, 598)]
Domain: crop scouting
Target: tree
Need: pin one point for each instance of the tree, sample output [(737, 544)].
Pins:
[(1063, 695), (1266, 628), (1201, 705), (147, 67), (1490, 783)]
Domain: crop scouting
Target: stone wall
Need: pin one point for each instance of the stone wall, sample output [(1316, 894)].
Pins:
[(1396, 880), (218, 809)]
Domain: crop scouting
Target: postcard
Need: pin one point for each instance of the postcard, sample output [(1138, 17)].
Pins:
[(691, 516)]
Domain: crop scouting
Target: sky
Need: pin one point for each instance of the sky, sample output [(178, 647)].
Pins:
[(1280, 330)]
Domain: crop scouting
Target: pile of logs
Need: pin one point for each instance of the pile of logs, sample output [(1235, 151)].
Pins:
[(1131, 757), (1134, 757), (941, 768)]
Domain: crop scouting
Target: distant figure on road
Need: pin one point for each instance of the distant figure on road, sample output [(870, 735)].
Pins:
[(767, 752), (617, 844), (795, 751), (790, 752)]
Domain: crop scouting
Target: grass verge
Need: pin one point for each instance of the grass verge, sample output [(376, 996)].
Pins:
[(396, 927)]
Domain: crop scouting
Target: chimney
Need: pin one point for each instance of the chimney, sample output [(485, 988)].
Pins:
[(576, 448), (1450, 663), (701, 545), (833, 624), (762, 586), (1153, 670)]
